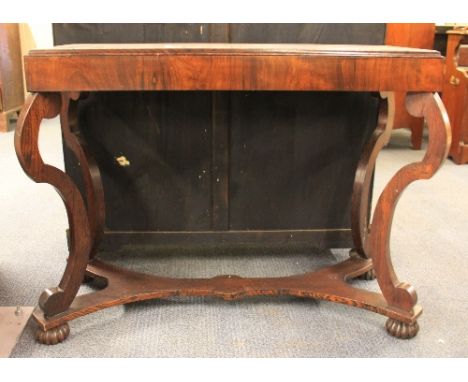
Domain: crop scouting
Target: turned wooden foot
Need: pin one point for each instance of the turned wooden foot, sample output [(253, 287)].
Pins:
[(400, 329), (53, 336)]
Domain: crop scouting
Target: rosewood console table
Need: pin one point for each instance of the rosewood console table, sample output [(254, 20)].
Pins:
[(59, 77)]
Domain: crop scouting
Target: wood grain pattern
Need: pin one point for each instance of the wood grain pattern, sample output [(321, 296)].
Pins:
[(414, 35), (360, 213), (37, 107), (247, 68), (121, 286), (432, 109), (93, 191)]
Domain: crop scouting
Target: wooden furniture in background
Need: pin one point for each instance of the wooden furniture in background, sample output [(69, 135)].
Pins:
[(455, 93), (415, 36), (63, 77), (11, 73)]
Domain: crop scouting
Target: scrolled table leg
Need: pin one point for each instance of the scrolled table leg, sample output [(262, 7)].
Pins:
[(399, 294), (363, 181), (37, 107), (93, 189)]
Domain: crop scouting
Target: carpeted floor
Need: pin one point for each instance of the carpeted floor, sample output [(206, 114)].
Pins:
[(430, 250)]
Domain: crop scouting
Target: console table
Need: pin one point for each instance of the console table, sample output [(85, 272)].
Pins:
[(58, 77)]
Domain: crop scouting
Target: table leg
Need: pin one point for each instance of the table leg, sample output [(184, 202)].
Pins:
[(362, 189), (377, 240), (84, 220), (91, 176)]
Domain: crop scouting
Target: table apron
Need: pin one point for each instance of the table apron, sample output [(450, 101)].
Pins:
[(205, 72)]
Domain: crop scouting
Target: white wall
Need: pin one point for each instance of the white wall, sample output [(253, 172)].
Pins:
[(42, 34), (35, 36)]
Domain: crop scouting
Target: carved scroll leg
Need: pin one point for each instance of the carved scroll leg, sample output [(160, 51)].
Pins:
[(57, 299), (93, 190), (362, 190), (398, 294)]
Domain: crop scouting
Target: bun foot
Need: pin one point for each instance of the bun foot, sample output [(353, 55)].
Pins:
[(400, 329), (53, 336)]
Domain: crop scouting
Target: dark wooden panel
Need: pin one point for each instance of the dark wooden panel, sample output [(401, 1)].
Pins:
[(293, 157), (261, 33), (220, 161), (229, 242), (372, 34), (65, 33), (167, 141), (177, 32), (136, 33)]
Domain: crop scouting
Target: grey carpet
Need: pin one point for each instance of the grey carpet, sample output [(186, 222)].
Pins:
[(430, 250)]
